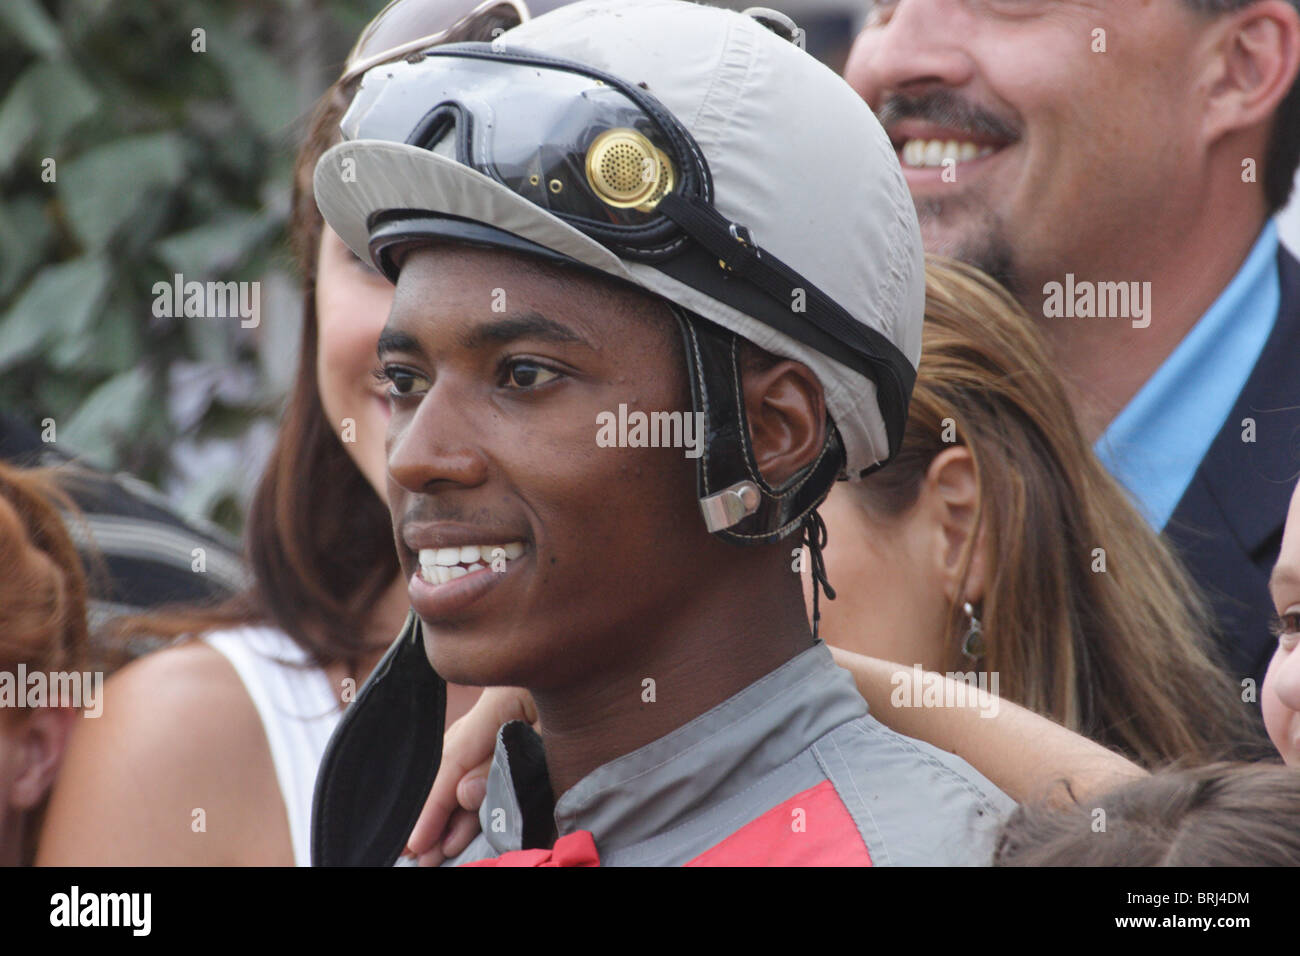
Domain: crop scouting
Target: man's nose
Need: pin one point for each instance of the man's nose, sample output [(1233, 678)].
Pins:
[(920, 45), (436, 446)]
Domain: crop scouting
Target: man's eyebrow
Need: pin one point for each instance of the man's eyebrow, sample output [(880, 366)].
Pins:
[(532, 325), (390, 340)]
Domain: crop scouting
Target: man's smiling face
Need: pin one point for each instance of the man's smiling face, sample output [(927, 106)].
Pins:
[(499, 368), (1063, 153)]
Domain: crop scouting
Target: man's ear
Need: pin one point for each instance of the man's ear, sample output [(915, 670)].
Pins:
[(42, 738), (950, 495), (787, 418), (1256, 59)]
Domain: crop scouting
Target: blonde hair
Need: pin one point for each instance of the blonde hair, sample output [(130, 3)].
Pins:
[(1121, 655)]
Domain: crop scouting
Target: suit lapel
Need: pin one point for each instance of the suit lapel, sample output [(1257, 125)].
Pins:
[(1228, 524)]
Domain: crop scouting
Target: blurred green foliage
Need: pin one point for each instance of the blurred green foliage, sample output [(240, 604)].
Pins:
[(127, 155)]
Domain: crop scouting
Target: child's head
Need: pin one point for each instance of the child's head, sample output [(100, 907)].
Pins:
[(1220, 814), (42, 630), (1280, 695)]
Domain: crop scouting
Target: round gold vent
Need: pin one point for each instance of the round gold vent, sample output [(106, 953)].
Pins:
[(626, 170)]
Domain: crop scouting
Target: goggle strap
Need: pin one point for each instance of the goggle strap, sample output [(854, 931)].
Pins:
[(736, 252)]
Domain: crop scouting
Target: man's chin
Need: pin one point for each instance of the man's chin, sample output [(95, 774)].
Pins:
[(978, 241), (468, 660)]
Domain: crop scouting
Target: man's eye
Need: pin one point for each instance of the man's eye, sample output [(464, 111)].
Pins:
[(403, 381), (528, 375)]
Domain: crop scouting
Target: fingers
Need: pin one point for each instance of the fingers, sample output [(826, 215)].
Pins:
[(441, 802), (460, 833), (472, 789), (467, 751), (464, 828)]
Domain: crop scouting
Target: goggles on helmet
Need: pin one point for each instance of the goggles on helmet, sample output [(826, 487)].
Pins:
[(407, 26), (609, 159)]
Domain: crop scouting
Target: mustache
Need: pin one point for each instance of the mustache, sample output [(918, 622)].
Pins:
[(945, 108), (428, 509)]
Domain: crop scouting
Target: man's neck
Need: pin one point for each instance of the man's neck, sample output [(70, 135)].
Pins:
[(696, 656), (1105, 361)]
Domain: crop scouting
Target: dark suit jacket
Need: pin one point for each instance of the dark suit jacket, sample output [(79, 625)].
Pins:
[(1228, 525)]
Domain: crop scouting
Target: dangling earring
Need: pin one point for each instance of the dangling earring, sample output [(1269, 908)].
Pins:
[(972, 644)]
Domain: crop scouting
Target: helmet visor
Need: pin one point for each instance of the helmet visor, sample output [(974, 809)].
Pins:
[(570, 143)]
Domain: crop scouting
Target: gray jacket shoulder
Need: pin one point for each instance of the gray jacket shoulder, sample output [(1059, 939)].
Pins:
[(915, 805)]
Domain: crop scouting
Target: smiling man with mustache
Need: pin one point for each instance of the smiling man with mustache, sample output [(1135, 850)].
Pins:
[(1114, 144)]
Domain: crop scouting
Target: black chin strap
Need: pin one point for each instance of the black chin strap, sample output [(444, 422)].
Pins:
[(381, 760), (815, 536)]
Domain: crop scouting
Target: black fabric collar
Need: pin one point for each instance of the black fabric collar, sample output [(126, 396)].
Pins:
[(531, 783), (381, 761)]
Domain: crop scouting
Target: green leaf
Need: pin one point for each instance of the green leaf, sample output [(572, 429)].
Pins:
[(114, 343), (103, 188), (56, 396), (215, 248), (19, 119), (111, 413), (81, 18), (32, 25), (262, 90), (65, 99), (210, 339), (61, 301), (25, 232), (111, 344), (44, 104)]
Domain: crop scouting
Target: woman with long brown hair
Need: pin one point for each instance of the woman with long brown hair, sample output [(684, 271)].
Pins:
[(207, 751), (1039, 567), (996, 542)]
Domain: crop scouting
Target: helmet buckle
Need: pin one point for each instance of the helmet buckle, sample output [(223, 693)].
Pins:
[(730, 506)]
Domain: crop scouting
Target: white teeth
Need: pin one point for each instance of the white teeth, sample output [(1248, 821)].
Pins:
[(933, 152), (440, 565)]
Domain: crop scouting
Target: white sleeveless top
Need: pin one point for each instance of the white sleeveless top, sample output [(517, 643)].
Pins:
[(298, 710)]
